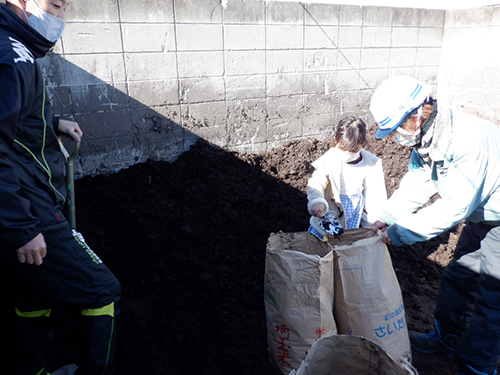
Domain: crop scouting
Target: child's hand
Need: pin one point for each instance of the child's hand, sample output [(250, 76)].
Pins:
[(318, 210)]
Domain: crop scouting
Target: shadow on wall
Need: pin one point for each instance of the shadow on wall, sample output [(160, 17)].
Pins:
[(118, 130)]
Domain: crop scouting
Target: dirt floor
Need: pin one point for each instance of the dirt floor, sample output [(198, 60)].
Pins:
[(187, 241)]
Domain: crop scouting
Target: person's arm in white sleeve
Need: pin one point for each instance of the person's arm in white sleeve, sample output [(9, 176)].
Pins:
[(461, 190), (316, 190), (415, 190)]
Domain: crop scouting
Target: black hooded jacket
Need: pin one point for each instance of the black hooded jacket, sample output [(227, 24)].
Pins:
[(32, 166)]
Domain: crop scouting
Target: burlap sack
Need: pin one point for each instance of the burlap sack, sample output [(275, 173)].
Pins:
[(298, 296), (368, 300)]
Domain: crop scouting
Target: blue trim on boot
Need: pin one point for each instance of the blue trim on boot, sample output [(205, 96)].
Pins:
[(448, 342), (433, 342), (473, 371)]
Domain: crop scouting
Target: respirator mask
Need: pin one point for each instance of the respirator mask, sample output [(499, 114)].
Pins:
[(47, 25), (404, 137)]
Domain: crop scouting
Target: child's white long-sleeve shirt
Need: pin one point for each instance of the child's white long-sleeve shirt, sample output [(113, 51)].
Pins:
[(333, 177)]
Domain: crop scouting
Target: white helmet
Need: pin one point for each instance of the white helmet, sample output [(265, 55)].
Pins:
[(394, 99)]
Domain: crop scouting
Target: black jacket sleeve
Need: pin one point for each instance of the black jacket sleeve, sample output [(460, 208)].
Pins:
[(17, 225)]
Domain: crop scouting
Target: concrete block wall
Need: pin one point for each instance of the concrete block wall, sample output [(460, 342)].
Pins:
[(146, 78)]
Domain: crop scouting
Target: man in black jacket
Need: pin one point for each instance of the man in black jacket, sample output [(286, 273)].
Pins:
[(50, 262)]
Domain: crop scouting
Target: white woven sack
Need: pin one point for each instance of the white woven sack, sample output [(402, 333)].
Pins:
[(350, 355)]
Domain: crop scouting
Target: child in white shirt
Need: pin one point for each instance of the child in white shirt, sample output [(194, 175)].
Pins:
[(348, 181)]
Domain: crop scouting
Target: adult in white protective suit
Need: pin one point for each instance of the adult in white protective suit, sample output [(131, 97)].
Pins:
[(456, 155)]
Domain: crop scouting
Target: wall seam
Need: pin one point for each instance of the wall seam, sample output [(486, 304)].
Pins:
[(266, 86), (226, 117), (179, 86), (123, 51)]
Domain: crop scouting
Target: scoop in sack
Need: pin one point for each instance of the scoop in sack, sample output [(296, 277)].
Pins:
[(330, 224), (326, 224)]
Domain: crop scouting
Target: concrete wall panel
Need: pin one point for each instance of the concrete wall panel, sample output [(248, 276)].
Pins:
[(150, 66), (154, 93), (285, 107), (349, 59), (201, 64), (244, 37), (284, 37), (403, 57), (202, 89), (351, 15), (244, 12), (428, 57), (407, 17), (350, 37), (98, 97), (85, 11), (92, 37), (376, 37), (430, 37), (245, 63), (199, 37), (378, 16), (322, 14), (320, 60), (148, 37), (404, 37), (320, 83), (246, 87), (324, 37), (375, 58), (107, 125), (283, 84), (193, 11), (246, 120), (284, 61), (145, 11), (318, 125), (94, 68), (284, 13), (432, 18)]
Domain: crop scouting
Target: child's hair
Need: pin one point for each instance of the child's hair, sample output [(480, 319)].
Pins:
[(350, 134)]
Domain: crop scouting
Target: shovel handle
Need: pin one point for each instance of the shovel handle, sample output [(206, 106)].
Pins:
[(70, 181)]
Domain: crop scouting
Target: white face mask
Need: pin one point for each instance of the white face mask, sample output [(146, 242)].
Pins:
[(49, 26), (405, 138)]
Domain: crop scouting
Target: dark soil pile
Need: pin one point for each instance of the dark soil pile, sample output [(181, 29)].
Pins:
[(187, 241)]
